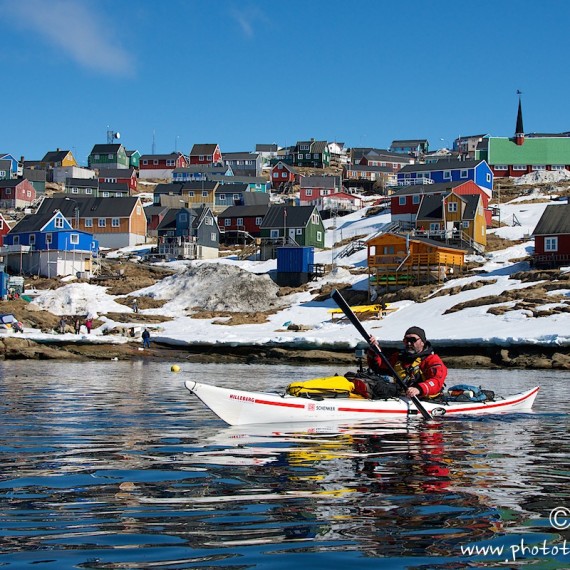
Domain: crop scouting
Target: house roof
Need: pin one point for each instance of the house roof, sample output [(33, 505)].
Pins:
[(266, 147), (168, 188), (202, 149), (229, 188), (315, 146), (11, 183), (365, 168), (203, 168), (288, 167), (296, 216), (408, 142), (238, 179), (245, 211), (431, 207), (555, 220), (199, 185), (116, 172), (32, 223), (240, 156), (106, 148), (441, 164), (320, 181), (436, 188), (255, 199), (419, 239), (90, 207), (169, 156), (113, 187), (55, 156), (547, 150), (82, 182)]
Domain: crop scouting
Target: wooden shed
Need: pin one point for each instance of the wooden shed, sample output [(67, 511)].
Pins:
[(399, 259)]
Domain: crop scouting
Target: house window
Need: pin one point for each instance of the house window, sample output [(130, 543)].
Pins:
[(447, 174), (1, 224), (201, 158), (191, 194), (276, 175), (538, 167), (209, 221), (258, 220), (227, 222), (110, 156), (102, 222), (237, 196), (317, 156), (434, 227), (183, 217), (155, 162), (32, 239), (452, 206), (402, 201), (319, 236), (309, 191), (204, 193), (88, 222), (115, 222), (74, 239), (465, 225), (464, 174), (519, 166), (213, 236), (88, 190), (170, 163), (16, 240), (489, 177), (299, 232), (389, 250), (58, 223), (105, 194), (145, 161), (222, 197), (96, 157), (557, 167), (501, 167), (239, 221), (49, 239), (551, 243), (416, 199), (75, 190), (273, 234), (8, 191)]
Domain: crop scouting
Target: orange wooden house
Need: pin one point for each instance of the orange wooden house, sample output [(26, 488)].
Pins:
[(396, 259)]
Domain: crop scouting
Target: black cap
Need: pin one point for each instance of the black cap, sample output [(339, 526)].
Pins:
[(417, 331)]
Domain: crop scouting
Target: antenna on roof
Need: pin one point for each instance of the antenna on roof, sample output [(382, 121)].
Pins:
[(111, 135), (153, 143)]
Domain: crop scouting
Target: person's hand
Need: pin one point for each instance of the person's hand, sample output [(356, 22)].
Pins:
[(374, 341), (412, 391)]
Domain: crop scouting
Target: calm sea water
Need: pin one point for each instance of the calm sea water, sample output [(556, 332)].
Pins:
[(116, 465)]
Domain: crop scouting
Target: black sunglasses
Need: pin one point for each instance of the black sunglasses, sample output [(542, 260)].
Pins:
[(412, 339)]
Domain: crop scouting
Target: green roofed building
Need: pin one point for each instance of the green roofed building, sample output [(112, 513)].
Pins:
[(521, 155)]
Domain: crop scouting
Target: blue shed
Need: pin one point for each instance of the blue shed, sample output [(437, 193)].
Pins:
[(295, 259)]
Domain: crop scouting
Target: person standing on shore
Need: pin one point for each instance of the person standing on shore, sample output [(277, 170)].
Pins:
[(146, 338)]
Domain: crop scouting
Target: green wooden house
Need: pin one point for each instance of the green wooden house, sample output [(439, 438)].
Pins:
[(312, 153), (107, 156), (291, 225)]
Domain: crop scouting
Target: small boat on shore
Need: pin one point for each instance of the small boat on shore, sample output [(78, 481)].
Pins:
[(240, 407)]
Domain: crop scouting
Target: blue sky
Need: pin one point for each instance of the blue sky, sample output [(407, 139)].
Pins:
[(242, 72)]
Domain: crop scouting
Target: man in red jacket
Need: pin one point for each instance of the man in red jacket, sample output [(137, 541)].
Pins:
[(417, 364)]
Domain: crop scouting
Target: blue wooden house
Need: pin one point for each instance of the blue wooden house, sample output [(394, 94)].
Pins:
[(446, 171), (47, 245), (188, 233), (15, 166)]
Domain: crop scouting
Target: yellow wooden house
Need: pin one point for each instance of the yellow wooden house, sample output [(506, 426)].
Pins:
[(396, 259), (453, 218)]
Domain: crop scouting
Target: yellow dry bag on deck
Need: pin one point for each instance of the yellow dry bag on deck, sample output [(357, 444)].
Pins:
[(328, 387)]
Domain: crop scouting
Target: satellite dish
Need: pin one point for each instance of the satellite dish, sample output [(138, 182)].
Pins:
[(117, 135)]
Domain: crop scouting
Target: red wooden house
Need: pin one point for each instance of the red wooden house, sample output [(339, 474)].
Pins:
[(4, 228), (160, 166), (314, 188), (552, 237), (236, 219), (283, 173), (119, 176), (205, 154), (16, 193)]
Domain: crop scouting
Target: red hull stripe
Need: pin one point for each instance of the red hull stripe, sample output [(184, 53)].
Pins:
[(282, 404), (495, 405)]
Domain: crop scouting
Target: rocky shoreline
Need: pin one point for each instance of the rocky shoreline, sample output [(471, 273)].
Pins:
[(472, 356)]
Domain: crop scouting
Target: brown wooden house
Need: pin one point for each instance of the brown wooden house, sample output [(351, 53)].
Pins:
[(396, 259)]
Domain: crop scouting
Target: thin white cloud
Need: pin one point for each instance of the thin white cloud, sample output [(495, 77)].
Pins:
[(247, 18), (77, 29)]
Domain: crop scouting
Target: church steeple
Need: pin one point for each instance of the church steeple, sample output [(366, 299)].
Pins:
[(519, 129)]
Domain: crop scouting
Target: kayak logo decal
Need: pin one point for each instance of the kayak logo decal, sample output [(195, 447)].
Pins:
[(242, 398), (320, 408)]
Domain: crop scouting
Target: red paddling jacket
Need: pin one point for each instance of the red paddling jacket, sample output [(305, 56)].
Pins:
[(424, 370)]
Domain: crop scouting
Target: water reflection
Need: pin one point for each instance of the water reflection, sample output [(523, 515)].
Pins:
[(116, 465)]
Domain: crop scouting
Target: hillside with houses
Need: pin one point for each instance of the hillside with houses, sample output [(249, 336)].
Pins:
[(60, 219)]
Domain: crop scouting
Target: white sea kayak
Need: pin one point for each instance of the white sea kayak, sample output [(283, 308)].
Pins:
[(240, 407)]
